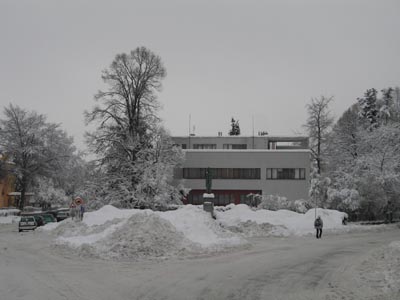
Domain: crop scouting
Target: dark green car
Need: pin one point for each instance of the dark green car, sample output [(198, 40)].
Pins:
[(48, 218), (39, 220)]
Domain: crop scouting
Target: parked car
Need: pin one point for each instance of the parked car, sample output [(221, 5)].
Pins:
[(27, 223), (39, 220), (62, 215), (48, 218), (52, 212)]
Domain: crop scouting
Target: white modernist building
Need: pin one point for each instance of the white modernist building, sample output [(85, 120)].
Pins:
[(241, 166)]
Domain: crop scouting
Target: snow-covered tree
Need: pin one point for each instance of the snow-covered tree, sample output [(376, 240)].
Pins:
[(386, 108), (93, 188), (274, 202), (235, 128), (47, 194), (134, 157), (34, 146), (318, 125), (396, 104), (363, 155), (379, 164), (154, 166), (318, 191), (344, 141), (73, 175), (368, 108), (347, 200)]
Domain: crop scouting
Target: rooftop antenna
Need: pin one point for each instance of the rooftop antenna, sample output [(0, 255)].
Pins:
[(253, 129)]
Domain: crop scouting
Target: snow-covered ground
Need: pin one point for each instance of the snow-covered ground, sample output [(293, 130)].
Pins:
[(350, 262)]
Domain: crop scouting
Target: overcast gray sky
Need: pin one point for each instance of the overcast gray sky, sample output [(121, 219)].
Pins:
[(224, 58)]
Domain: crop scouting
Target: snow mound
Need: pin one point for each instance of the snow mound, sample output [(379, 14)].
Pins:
[(144, 236), (199, 227), (9, 219), (241, 218), (108, 213), (253, 229), (113, 233)]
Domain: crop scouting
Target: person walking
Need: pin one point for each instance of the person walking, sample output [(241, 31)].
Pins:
[(318, 224), (82, 211)]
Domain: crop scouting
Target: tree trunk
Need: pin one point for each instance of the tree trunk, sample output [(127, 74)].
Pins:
[(23, 192)]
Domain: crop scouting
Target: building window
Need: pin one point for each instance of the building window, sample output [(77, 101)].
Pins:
[(223, 199), (183, 146), (222, 173), (235, 146), (286, 173), (204, 146), (195, 199)]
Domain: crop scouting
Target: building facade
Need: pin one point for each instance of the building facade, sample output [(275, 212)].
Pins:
[(7, 185), (243, 166)]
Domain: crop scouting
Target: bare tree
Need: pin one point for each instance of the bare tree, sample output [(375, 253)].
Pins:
[(318, 125), (127, 124), (128, 107)]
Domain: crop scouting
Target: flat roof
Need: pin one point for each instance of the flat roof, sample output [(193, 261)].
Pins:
[(243, 136)]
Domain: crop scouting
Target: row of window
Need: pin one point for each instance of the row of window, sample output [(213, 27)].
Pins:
[(222, 173), (286, 173), (214, 146), (245, 173), (204, 146), (219, 199), (234, 146)]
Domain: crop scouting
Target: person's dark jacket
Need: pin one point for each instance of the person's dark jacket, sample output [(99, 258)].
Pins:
[(318, 223)]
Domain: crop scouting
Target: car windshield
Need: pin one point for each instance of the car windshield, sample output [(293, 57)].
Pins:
[(30, 219)]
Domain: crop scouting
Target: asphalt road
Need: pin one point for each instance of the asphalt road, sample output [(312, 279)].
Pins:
[(274, 268)]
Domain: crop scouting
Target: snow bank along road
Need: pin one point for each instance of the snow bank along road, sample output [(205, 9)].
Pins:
[(336, 267)]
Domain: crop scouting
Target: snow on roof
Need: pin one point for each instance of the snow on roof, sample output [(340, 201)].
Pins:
[(19, 194)]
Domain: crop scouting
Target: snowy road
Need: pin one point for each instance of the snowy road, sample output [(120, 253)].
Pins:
[(274, 268)]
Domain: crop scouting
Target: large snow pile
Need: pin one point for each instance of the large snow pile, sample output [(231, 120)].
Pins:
[(241, 218), (114, 233)]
